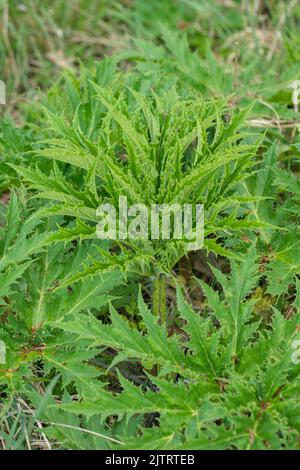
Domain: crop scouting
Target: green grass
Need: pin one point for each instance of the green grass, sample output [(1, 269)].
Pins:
[(39, 39)]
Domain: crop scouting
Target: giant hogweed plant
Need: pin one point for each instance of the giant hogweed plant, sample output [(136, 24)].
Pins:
[(240, 379), (224, 374), (225, 380), (29, 273), (151, 148), (279, 206)]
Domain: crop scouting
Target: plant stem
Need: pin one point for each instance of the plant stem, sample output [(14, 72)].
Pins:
[(159, 298)]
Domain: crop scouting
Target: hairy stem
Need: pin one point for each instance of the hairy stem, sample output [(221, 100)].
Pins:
[(159, 298)]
